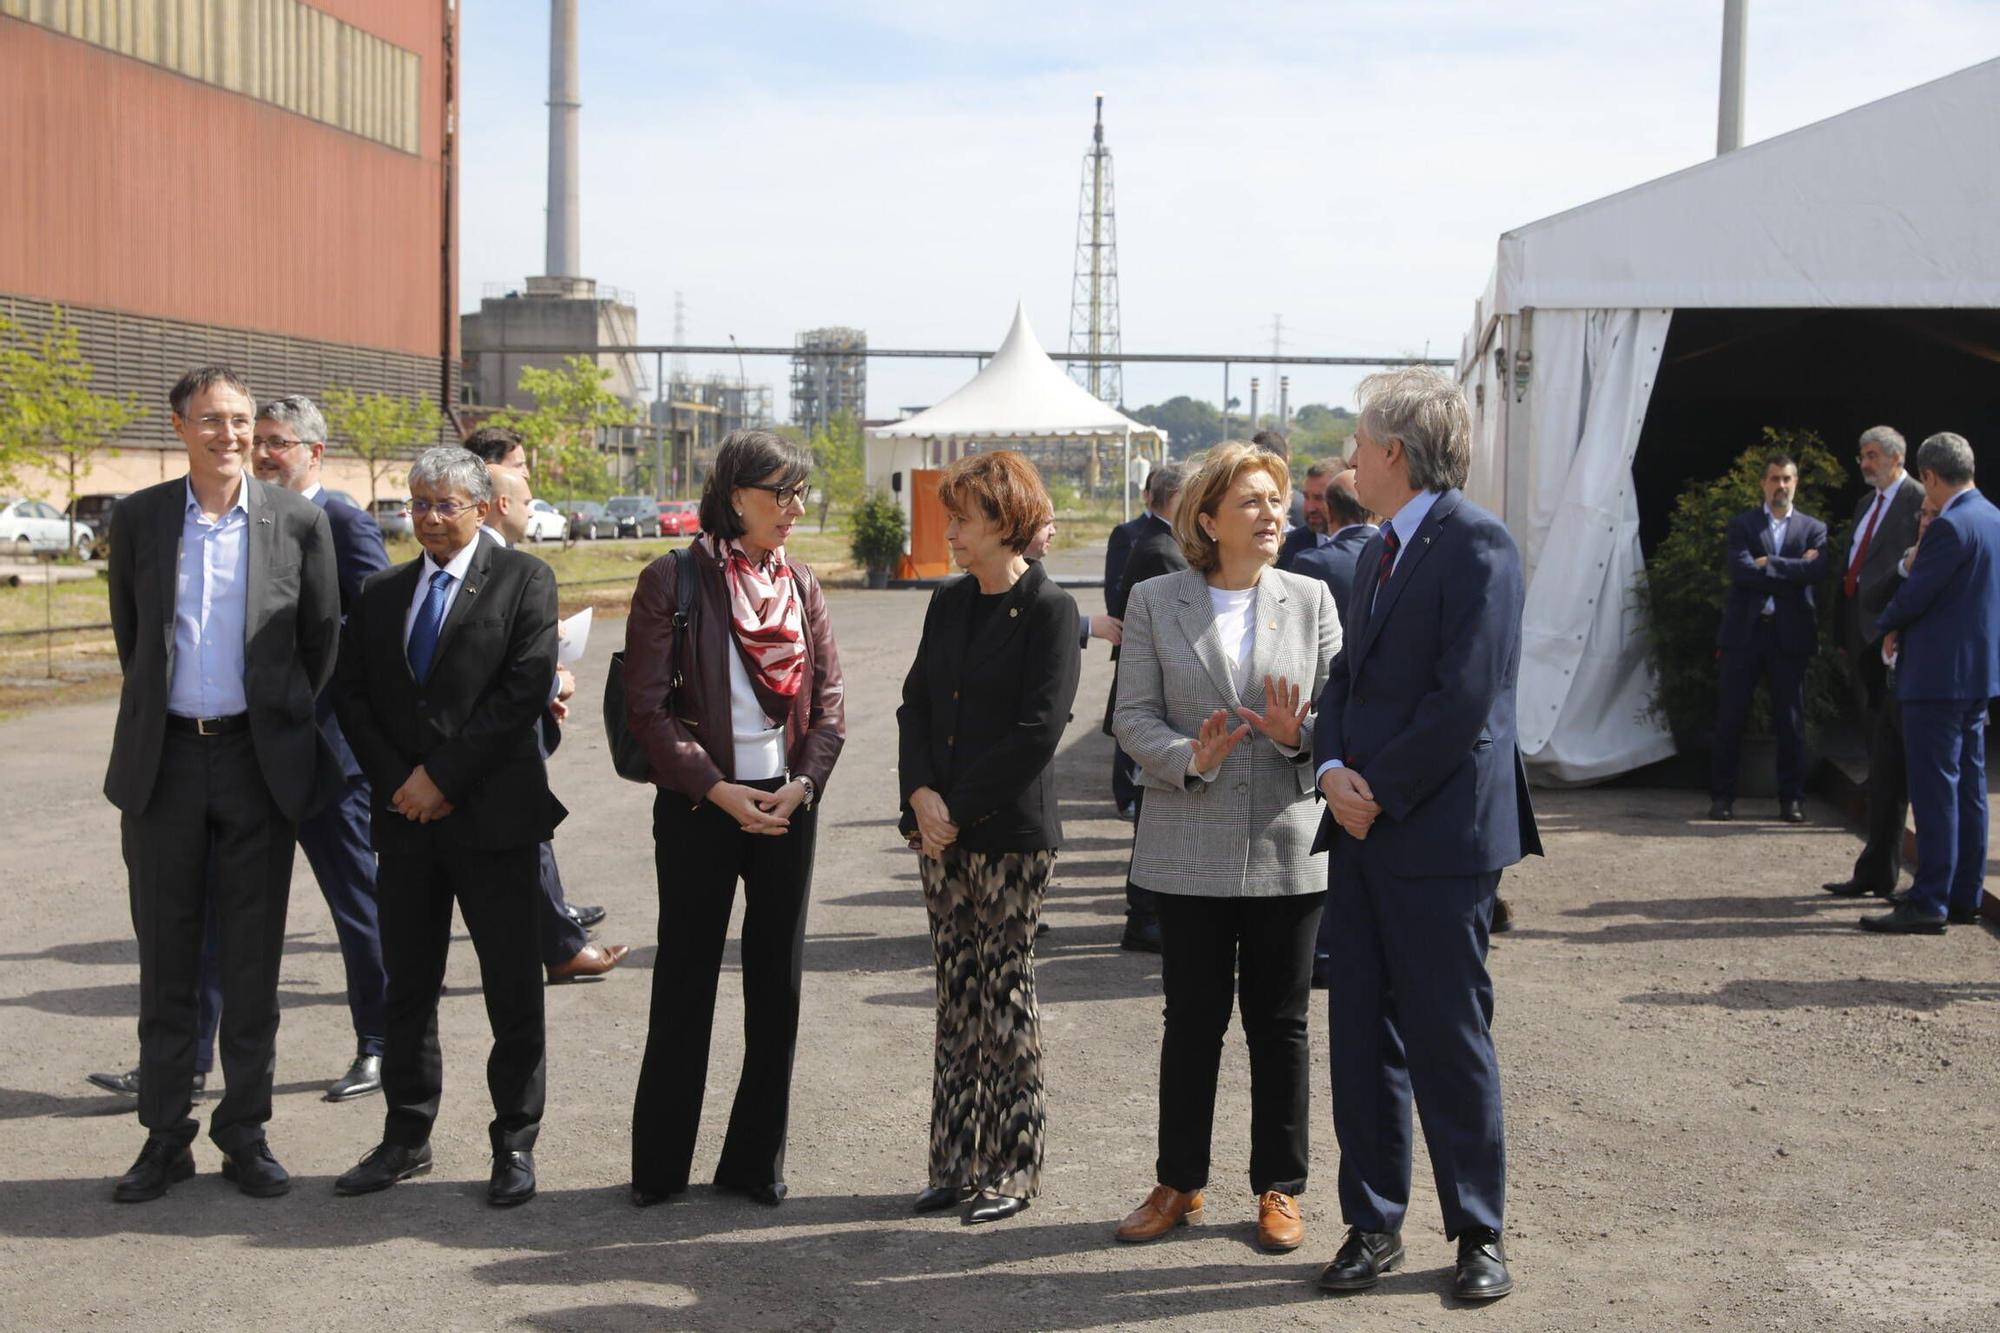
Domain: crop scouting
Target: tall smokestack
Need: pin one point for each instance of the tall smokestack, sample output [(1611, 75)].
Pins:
[(564, 233), (1729, 107)]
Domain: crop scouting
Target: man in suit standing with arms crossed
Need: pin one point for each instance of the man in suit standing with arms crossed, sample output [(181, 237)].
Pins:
[(1942, 628), (1885, 525), (1769, 629), (287, 451), (1427, 803), (444, 671), (226, 610)]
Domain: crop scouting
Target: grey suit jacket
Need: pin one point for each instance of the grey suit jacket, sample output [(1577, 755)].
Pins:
[(1895, 533), (291, 631), (1249, 832)]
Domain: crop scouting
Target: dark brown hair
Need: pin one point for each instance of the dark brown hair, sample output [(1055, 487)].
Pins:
[(201, 379), (494, 443), (745, 458), (1004, 489)]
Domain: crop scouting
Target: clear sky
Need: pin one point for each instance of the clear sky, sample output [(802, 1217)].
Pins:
[(913, 168)]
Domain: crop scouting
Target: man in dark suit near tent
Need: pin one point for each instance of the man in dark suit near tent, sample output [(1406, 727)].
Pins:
[(1769, 629), (1427, 800), (1943, 630), (1117, 550), (1353, 527)]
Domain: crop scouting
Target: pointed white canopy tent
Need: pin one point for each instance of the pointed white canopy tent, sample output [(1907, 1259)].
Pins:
[(1888, 206), (1019, 398)]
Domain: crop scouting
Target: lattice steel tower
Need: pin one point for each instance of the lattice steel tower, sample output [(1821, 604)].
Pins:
[(1093, 307)]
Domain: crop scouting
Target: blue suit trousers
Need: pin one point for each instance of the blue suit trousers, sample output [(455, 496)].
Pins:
[(1944, 742), (336, 844)]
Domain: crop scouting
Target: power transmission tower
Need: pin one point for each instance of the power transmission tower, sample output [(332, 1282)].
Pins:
[(1093, 310)]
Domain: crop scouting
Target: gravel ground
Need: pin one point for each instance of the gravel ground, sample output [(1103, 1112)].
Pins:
[(1727, 1108)]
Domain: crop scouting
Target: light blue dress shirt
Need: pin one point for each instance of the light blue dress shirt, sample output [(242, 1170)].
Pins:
[(1777, 527), (211, 598)]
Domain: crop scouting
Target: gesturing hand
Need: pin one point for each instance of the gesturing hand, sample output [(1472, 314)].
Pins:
[(1351, 800), (1283, 714), (1214, 741)]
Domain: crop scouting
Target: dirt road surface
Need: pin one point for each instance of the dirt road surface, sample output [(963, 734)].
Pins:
[(1726, 1107)]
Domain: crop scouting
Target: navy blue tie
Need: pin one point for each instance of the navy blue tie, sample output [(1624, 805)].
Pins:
[(430, 620)]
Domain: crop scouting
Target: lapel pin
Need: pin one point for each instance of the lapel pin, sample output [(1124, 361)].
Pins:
[(263, 520), (1013, 611)]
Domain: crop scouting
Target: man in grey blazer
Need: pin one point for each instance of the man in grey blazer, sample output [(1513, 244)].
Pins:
[(1885, 526), (225, 605)]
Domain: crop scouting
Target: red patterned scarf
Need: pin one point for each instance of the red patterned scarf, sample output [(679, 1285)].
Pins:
[(770, 626)]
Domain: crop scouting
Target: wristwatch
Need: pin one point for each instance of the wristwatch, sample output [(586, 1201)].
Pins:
[(812, 789)]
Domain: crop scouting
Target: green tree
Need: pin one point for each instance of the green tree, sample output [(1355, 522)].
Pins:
[(1191, 425), (50, 417), (380, 429), (563, 432), (838, 457), (1318, 430)]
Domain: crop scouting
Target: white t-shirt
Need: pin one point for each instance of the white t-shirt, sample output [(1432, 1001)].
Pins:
[(760, 747), (1236, 623)]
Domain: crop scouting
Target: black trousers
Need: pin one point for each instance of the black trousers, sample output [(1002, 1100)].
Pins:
[(210, 828), (495, 892), (561, 938), (1141, 905), (699, 853), (1880, 863), (1761, 658), (1261, 951)]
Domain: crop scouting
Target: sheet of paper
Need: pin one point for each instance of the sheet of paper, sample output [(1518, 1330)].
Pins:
[(572, 637)]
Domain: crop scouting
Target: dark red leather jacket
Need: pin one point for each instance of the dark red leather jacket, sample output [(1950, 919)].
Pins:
[(689, 738)]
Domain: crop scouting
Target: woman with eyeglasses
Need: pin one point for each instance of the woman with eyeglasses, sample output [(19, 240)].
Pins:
[(740, 709)]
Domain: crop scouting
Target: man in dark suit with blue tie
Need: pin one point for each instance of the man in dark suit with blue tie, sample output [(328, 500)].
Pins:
[(1942, 631), (1353, 526), (1427, 803), (1769, 630), (287, 451)]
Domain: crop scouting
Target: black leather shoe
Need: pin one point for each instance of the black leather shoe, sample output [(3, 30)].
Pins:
[(1141, 936), (1963, 916), (586, 915), (1362, 1260), (1852, 888), (513, 1179), (1722, 810), (256, 1172), (1903, 919), (385, 1164), (161, 1163), (1322, 976), (1792, 812), (1482, 1266), (994, 1208), (643, 1198), (1503, 916), (362, 1077), (127, 1083), (937, 1198), (770, 1195)]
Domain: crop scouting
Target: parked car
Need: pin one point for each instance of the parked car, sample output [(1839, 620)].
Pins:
[(588, 521), (545, 522), (33, 525), (96, 509), (393, 516), (636, 515), (680, 518)]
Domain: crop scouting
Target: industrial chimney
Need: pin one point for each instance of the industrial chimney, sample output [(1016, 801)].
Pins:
[(564, 259)]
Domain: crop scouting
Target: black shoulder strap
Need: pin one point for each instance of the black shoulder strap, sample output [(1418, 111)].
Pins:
[(686, 604)]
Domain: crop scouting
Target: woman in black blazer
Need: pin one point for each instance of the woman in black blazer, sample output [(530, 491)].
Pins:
[(984, 707)]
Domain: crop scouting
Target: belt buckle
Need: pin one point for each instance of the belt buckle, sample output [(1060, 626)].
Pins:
[(201, 726)]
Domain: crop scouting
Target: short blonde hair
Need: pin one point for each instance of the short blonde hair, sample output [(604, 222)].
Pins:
[(1220, 469)]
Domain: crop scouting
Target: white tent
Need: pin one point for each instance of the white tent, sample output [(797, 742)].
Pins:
[(1888, 206), (1020, 397)]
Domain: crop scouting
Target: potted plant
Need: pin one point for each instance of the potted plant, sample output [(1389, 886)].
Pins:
[(1686, 582), (878, 534)]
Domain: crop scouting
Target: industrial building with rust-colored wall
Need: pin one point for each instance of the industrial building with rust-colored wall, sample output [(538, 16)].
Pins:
[(263, 182)]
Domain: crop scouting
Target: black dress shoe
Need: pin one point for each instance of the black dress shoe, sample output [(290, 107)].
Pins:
[(1503, 916), (1141, 936), (643, 1198), (770, 1195), (127, 1083), (994, 1208), (1792, 812), (1322, 976), (1722, 810), (513, 1179), (1362, 1260), (587, 915), (385, 1164), (1903, 919), (1482, 1266), (256, 1172), (1852, 888), (1963, 916), (362, 1077), (161, 1163), (937, 1198)]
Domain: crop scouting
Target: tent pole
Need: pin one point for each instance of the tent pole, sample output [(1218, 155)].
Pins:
[(1125, 491)]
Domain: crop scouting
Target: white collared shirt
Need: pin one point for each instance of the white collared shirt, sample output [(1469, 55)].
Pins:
[(1876, 512), (457, 568)]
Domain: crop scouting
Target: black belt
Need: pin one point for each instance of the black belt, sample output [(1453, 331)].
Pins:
[(208, 726)]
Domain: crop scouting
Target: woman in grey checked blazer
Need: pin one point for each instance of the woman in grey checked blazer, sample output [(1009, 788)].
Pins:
[(1216, 679)]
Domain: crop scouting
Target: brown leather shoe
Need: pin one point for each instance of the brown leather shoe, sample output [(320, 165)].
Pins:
[(1279, 1226), (1164, 1209), (593, 960)]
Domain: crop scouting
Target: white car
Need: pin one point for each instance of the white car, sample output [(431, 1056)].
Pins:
[(31, 525), (545, 522)]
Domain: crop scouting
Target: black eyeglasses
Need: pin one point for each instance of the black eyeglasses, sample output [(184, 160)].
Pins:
[(784, 495)]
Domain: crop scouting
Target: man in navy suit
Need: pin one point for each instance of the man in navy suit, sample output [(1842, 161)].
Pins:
[(1427, 803), (1770, 630), (1942, 631), (1117, 550), (1353, 527), (287, 450), (1317, 530)]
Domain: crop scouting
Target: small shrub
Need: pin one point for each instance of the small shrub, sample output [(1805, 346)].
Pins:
[(877, 532)]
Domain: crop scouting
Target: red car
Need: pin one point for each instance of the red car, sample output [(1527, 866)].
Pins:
[(680, 518)]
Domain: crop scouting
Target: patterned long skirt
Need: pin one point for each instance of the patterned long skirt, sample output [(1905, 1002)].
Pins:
[(987, 1110)]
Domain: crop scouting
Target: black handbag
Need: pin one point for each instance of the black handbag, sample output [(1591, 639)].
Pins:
[(628, 755)]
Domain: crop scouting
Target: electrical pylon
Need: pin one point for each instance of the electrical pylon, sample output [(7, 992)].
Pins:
[(1093, 310)]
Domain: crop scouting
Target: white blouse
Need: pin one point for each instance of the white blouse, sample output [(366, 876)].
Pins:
[(760, 747)]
